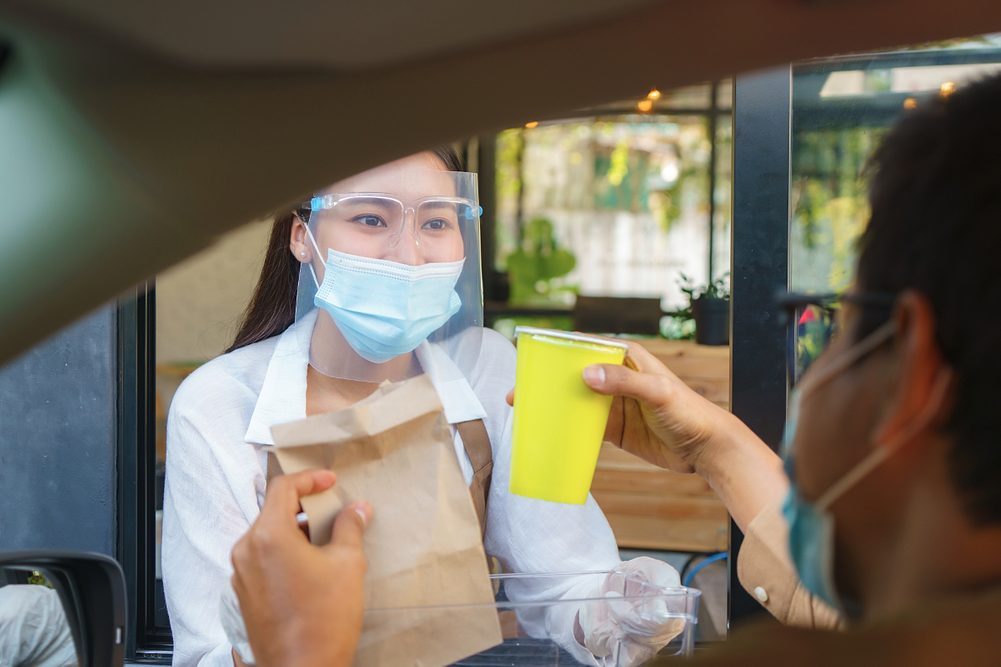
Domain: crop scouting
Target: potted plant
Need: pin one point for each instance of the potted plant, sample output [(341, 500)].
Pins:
[(538, 265), (710, 308)]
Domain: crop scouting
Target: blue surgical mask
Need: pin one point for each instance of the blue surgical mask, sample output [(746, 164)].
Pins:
[(385, 309), (811, 525), (811, 530)]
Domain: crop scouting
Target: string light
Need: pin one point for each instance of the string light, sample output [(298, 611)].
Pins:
[(947, 88), (645, 106), (910, 103), (654, 94), (531, 124)]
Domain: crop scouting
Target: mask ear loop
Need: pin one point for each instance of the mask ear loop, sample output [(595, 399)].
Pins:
[(884, 451)]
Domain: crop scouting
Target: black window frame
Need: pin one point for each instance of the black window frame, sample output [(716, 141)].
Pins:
[(759, 261), (148, 639)]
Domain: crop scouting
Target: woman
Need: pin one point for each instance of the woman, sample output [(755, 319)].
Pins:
[(376, 278)]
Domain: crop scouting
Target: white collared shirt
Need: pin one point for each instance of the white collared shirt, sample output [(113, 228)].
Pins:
[(221, 416)]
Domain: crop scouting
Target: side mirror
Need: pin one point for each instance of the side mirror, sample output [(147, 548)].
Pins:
[(61, 608)]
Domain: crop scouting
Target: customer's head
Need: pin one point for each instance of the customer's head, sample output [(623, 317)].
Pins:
[(931, 391)]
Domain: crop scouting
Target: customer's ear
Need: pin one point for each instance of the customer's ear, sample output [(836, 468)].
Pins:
[(920, 395)]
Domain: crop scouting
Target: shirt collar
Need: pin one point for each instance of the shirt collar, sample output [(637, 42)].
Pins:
[(283, 394), (457, 397)]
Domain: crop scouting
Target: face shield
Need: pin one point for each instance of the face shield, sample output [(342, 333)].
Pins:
[(390, 284)]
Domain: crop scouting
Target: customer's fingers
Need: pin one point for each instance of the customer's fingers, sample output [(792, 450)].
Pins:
[(641, 359), (615, 380), (284, 492), (350, 525)]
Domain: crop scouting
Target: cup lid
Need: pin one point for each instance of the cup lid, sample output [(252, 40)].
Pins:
[(569, 335)]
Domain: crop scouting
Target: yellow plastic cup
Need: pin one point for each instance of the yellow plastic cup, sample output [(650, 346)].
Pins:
[(558, 421)]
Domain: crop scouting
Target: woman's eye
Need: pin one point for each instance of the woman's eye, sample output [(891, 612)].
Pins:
[(438, 224), (369, 220)]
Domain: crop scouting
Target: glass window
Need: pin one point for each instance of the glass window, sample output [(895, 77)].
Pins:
[(841, 109), (622, 202), (199, 304), (624, 194)]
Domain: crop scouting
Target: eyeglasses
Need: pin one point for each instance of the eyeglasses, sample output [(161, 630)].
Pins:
[(812, 323), (438, 225)]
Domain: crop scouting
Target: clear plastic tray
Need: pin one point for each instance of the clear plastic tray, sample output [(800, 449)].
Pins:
[(540, 615)]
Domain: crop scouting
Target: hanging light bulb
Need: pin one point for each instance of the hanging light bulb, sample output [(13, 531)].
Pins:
[(654, 94), (532, 123), (947, 88), (910, 103), (645, 106)]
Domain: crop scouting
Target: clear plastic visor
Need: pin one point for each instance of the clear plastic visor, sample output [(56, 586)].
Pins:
[(391, 285)]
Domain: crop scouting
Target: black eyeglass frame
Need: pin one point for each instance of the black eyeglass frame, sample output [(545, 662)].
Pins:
[(789, 303)]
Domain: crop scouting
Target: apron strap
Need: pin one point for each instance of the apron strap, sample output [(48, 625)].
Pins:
[(476, 442)]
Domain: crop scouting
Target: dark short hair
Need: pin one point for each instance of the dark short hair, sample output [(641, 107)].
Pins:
[(935, 196)]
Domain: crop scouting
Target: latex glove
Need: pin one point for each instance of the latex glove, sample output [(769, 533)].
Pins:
[(624, 632), (233, 625)]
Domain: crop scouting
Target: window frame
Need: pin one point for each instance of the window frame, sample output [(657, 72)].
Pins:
[(759, 260), (148, 639)]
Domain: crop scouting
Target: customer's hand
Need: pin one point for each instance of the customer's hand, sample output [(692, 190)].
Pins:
[(301, 604), (659, 418), (662, 420), (654, 414)]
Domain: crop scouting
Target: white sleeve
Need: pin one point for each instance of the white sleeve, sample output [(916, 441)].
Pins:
[(209, 503), (536, 536), (528, 535)]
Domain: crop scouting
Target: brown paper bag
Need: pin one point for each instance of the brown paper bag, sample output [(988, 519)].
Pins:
[(424, 548)]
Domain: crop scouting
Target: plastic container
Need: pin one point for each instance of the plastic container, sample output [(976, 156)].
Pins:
[(537, 615), (558, 421)]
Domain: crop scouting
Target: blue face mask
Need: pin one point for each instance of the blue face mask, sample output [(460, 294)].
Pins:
[(811, 525), (385, 309), (811, 531)]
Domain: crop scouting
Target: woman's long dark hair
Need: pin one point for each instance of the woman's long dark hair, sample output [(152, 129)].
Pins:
[(272, 308)]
